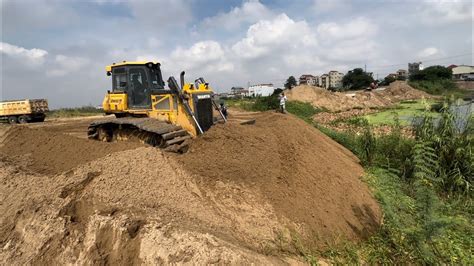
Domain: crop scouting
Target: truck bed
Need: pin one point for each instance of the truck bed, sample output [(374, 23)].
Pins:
[(23, 107)]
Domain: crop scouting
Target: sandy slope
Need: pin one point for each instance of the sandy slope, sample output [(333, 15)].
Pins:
[(234, 198)]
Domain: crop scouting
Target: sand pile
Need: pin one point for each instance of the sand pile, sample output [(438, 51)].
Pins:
[(129, 207), (400, 90), (229, 200), (319, 97), (49, 152), (336, 101), (307, 177)]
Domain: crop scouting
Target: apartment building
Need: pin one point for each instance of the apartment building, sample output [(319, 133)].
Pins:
[(324, 81), (308, 79), (414, 67), (335, 79), (402, 74)]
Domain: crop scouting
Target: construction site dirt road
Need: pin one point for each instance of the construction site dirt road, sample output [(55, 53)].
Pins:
[(241, 194)]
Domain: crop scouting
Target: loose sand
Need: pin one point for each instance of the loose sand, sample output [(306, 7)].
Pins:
[(233, 198), (336, 101)]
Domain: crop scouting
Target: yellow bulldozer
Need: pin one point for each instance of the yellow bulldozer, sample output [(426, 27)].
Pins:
[(145, 109)]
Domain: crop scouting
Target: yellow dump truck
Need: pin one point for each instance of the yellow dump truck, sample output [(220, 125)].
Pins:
[(24, 111)]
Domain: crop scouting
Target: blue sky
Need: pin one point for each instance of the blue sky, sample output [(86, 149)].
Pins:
[(58, 49)]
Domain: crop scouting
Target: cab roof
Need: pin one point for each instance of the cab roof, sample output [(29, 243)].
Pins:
[(126, 63)]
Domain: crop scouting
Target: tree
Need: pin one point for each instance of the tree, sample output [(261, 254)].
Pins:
[(433, 73), (277, 91), (387, 80), (357, 79), (290, 83)]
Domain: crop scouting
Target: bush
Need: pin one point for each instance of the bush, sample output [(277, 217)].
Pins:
[(440, 152), (424, 186), (451, 149), (433, 73), (266, 103), (79, 111), (435, 87), (302, 110)]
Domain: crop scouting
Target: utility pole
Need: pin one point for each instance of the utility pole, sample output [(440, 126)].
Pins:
[(365, 68)]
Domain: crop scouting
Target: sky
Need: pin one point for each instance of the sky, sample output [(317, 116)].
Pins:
[(58, 49)]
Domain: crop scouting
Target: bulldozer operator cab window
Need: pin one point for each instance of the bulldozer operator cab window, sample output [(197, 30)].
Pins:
[(119, 80), (139, 93)]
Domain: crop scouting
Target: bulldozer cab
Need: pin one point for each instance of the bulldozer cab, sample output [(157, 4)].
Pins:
[(138, 80)]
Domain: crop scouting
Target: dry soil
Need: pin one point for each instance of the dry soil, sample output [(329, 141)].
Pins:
[(336, 101), (240, 195)]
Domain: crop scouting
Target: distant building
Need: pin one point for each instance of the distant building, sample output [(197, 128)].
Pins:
[(414, 67), (402, 74), (392, 75), (335, 79), (324, 81), (463, 72), (237, 92), (316, 81), (261, 90), (308, 79)]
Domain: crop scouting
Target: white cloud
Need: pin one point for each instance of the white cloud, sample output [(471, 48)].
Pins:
[(359, 27), (31, 15), (202, 55), (435, 12), (427, 52), (322, 6), (269, 36), (251, 11), (199, 52), (64, 65), (249, 42), (356, 50), (34, 55), (160, 14)]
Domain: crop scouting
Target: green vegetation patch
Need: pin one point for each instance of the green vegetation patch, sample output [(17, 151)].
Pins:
[(303, 110), (73, 112), (424, 186), (404, 111), (439, 87)]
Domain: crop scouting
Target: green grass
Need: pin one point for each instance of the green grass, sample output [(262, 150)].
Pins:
[(399, 240), (439, 87), (75, 112), (425, 222), (302, 110), (404, 111)]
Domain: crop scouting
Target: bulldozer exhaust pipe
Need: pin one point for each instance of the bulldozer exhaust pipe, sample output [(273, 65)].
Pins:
[(181, 79)]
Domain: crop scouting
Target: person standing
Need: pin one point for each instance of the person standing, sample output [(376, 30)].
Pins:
[(223, 109), (283, 101)]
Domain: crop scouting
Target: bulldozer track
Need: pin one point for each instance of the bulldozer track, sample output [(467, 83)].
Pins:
[(148, 130)]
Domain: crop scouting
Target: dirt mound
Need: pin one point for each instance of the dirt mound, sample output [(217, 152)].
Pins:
[(319, 97), (240, 194), (306, 177), (48, 152), (400, 90), (336, 101), (129, 207)]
